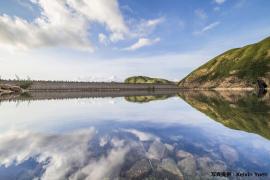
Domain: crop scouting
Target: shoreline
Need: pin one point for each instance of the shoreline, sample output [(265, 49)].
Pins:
[(55, 95), (86, 86), (106, 87)]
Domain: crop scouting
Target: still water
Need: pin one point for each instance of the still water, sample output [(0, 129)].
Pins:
[(199, 135)]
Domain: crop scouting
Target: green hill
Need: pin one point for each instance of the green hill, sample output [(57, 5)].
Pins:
[(236, 68), (145, 79)]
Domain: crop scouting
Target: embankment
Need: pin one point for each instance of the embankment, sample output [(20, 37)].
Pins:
[(89, 86)]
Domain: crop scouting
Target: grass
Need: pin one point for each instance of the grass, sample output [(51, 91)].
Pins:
[(145, 79), (25, 84), (248, 63)]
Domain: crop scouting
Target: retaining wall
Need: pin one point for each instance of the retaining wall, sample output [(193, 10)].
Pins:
[(89, 86)]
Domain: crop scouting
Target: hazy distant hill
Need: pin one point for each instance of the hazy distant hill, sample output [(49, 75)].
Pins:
[(145, 79), (236, 68)]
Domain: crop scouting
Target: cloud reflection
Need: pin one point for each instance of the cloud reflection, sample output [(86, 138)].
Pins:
[(61, 155)]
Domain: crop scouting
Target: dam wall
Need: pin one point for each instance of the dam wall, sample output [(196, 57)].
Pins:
[(88, 86)]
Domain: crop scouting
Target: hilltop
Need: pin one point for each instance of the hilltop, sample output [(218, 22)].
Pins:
[(236, 68), (145, 79)]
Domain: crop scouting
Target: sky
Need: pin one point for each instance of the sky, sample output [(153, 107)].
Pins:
[(110, 40)]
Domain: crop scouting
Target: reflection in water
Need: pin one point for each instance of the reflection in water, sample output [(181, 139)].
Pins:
[(140, 140), (240, 111), (56, 154), (145, 99)]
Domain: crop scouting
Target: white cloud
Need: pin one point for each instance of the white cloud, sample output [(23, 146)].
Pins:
[(219, 1), (143, 136), (99, 78), (103, 141), (210, 26), (103, 39), (62, 23), (144, 27), (67, 156), (201, 14), (142, 42), (39, 66), (114, 37), (115, 142), (61, 150), (207, 28), (154, 22), (105, 168), (67, 23)]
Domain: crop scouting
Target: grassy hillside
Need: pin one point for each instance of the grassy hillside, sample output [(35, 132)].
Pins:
[(240, 67), (145, 79), (245, 112)]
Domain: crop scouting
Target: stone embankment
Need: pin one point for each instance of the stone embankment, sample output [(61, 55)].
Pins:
[(90, 86), (7, 89)]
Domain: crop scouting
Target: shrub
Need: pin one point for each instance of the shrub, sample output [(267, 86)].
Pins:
[(25, 84)]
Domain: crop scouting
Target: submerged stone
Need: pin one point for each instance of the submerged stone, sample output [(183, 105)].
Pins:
[(188, 166), (206, 165), (183, 154), (157, 150), (229, 153), (170, 166), (140, 169)]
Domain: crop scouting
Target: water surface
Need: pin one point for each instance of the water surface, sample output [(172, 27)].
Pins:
[(182, 136)]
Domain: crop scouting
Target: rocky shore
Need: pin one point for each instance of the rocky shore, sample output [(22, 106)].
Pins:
[(8, 89)]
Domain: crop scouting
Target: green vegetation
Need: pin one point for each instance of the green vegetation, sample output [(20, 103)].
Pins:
[(244, 112), (145, 99), (246, 64), (145, 79), (25, 84)]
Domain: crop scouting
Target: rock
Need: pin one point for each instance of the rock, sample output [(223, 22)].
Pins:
[(136, 153), (229, 154), (170, 166), (16, 89), (169, 147), (4, 91), (206, 165), (157, 150), (261, 84), (140, 169), (188, 166), (218, 166), (4, 86), (183, 154), (7, 88)]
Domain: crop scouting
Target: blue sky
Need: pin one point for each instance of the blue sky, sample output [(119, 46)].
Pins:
[(103, 40)]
